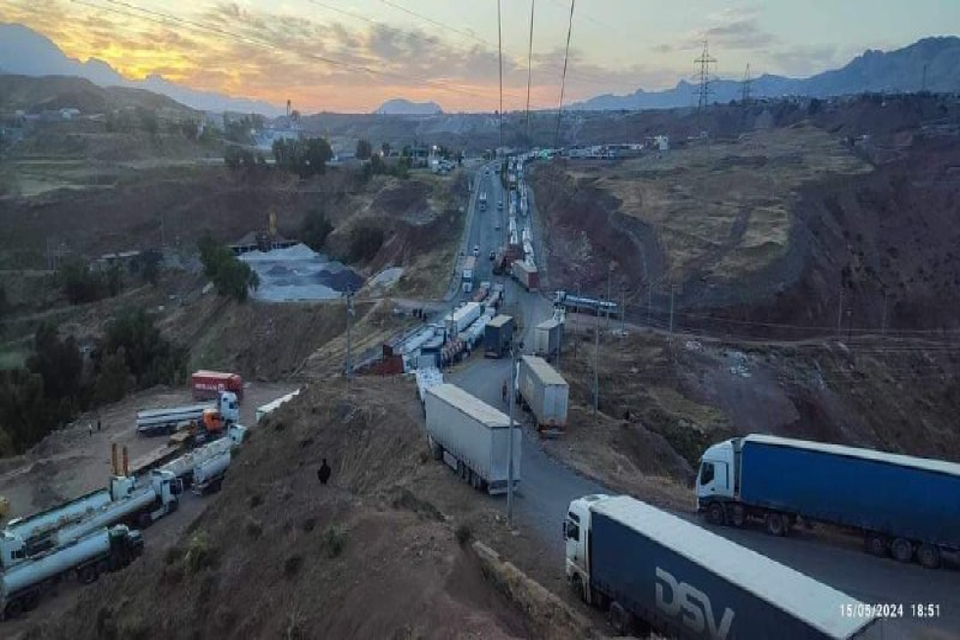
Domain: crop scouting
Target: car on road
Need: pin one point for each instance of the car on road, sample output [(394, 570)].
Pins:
[(493, 255), (476, 250), (498, 227), (500, 205)]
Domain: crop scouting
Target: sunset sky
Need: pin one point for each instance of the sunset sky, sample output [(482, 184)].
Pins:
[(351, 55)]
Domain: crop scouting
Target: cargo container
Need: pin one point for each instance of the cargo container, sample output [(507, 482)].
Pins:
[(545, 392), (471, 437), (498, 336), (904, 506), (207, 385), (462, 318), (642, 564), (546, 338), (526, 274)]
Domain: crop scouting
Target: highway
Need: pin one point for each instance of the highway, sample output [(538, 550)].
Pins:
[(547, 485)]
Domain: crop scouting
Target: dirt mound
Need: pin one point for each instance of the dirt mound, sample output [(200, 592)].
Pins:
[(278, 554)]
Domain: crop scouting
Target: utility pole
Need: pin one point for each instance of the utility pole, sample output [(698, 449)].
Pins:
[(840, 313), (883, 318), (515, 347), (672, 291), (500, 67), (348, 365), (745, 89), (596, 370), (609, 279), (704, 91)]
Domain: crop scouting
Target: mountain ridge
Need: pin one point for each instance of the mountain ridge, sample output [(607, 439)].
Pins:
[(900, 70)]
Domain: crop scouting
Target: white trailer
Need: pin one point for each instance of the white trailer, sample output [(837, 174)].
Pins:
[(472, 438), (545, 392), (42, 523), (99, 552), (427, 377), (136, 501), (208, 476), (462, 318), (167, 420), (271, 406), (546, 338)]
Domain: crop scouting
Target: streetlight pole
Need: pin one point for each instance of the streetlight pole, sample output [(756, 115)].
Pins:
[(515, 347)]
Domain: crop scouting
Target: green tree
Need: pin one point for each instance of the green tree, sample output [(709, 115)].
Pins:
[(385, 147), (315, 229), (57, 362), (79, 284), (148, 121), (315, 156), (149, 357), (114, 380), (114, 280), (364, 149), (230, 276), (25, 414)]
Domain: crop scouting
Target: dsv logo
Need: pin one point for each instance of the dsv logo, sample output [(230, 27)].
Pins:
[(674, 598)]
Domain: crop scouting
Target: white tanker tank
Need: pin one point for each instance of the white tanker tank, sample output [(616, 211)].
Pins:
[(185, 465), (100, 551), (39, 524), (208, 476)]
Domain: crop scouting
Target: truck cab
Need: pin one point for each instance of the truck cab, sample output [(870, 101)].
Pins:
[(716, 476), (576, 534), (13, 550), (229, 407)]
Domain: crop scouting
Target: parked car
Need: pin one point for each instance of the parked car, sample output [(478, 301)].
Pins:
[(493, 255)]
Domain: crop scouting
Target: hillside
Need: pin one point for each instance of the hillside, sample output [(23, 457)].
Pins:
[(34, 95)]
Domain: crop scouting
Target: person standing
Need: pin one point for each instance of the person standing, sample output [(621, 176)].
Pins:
[(323, 473)]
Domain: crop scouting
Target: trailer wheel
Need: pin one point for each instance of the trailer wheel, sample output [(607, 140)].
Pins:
[(13, 610), (929, 555), (620, 619), (902, 550), (715, 515), (876, 544), (776, 524)]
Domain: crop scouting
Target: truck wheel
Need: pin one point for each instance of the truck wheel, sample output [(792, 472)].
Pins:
[(31, 600), (13, 610), (715, 514), (576, 585), (876, 544), (776, 524), (902, 550), (929, 555), (620, 620)]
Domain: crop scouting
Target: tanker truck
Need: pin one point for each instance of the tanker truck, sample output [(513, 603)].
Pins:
[(42, 523), (98, 552), (208, 475), (213, 418)]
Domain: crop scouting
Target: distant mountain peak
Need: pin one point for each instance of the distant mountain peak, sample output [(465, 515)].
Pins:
[(401, 106), (24, 51)]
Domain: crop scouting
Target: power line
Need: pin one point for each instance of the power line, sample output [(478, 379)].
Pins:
[(500, 68), (563, 78), (704, 91), (533, 3)]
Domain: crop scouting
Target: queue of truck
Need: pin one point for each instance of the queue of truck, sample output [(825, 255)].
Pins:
[(99, 532)]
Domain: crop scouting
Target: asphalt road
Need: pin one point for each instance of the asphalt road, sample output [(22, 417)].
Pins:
[(547, 486)]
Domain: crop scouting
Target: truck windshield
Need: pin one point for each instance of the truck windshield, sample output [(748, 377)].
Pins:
[(706, 473), (573, 531)]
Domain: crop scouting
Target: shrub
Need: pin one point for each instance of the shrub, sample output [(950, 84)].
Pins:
[(333, 541), (463, 533), (315, 229), (200, 554)]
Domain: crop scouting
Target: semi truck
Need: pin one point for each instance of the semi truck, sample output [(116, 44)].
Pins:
[(472, 438), (102, 551), (903, 506), (180, 443), (211, 419), (42, 523), (646, 566), (545, 392), (546, 338), (461, 318), (184, 466), (207, 385), (208, 475), (526, 274), (582, 304), (498, 336), (483, 201)]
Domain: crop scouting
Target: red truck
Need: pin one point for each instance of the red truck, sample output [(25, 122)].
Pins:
[(208, 384)]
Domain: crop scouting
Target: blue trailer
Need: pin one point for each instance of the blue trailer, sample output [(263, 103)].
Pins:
[(904, 506), (648, 567)]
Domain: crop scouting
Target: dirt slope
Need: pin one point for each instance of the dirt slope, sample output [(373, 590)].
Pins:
[(367, 556)]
